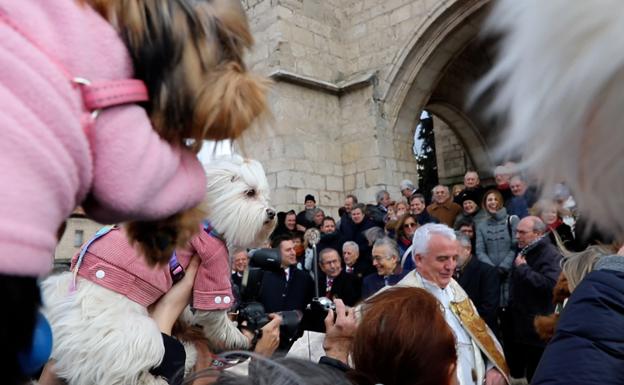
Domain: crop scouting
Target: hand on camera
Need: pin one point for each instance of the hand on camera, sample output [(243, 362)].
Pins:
[(269, 336), (339, 333)]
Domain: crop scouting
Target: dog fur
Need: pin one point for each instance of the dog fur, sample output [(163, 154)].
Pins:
[(97, 329), (190, 54), (559, 83)]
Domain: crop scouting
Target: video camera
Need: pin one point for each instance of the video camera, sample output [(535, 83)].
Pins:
[(251, 312)]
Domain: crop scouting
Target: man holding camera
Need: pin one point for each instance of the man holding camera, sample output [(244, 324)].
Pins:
[(288, 288)]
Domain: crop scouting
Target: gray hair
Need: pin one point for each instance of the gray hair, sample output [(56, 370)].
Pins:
[(379, 196), (576, 265), (538, 225), (326, 251), (422, 236), (391, 246), (463, 239), (443, 186), (354, 246), (373, 234), (316, 210)]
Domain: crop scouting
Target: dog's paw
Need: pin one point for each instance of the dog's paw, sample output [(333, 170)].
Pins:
[(158, 239)]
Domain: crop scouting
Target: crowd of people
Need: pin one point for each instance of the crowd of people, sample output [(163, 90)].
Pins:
[(508, 260)]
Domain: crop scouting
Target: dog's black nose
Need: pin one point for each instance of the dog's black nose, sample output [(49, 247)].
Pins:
[(270, 213)]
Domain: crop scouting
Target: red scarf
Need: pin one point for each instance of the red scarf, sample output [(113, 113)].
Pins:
[(553, 226)]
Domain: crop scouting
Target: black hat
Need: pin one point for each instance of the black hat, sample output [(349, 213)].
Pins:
[(309, 197), (469, 195)]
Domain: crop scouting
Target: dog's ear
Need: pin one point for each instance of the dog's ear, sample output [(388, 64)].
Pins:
[(229, 102)]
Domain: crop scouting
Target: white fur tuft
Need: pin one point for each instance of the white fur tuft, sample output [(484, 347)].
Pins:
[(100, 337), (242, 220), (560, 84), (221, 332)]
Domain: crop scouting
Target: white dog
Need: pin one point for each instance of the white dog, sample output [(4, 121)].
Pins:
[(102, 330)]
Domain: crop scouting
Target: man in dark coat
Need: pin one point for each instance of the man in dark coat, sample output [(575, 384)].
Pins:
[(535, 273), (333, 281), (386, 261), (288, 288), (305, 218), (354, 231), (479, 280), (330, 237)]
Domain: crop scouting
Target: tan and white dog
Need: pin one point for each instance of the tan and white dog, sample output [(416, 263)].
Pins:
[(98, 312)]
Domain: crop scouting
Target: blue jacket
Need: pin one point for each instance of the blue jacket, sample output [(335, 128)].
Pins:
[(588, 345), (373, 282)]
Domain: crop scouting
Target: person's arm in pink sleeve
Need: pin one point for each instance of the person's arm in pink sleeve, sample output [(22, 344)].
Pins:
[(137, 175)]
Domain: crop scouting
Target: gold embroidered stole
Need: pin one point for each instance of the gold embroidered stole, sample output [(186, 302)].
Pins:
[(480, 333)]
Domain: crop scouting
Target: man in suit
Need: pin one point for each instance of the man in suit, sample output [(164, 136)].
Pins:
[(479, 280), (288, 288), (334, 282), (386, 261), (240, 261)]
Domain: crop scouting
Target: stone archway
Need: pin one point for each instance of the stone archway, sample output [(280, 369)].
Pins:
[(426, 73)]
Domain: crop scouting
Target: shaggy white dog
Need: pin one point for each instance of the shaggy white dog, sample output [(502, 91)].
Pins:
[(559, 81), (102, 330)]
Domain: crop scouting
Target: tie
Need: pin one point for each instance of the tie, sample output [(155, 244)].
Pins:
[(387, 281), (330, 282), (349, 269)]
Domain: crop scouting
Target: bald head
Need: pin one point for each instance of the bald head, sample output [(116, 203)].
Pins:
[(529, 229)]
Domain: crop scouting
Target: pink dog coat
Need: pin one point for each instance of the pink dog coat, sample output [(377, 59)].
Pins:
[(113, 263), (49, 164)]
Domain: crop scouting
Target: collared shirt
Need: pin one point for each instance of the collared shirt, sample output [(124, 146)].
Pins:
[(465, 349), (287, 273)]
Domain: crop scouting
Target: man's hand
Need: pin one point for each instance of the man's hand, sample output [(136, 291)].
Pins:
[(270, 337), (339, 334), (494, 377), (169, 307), (520, 260)]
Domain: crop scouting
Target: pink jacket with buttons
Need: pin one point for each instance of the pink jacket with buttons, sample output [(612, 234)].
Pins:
[(113, 263), (121, 169)]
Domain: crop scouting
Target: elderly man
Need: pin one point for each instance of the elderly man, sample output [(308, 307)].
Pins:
[(305, 218), (472, 188), (240, 261), (479, 355), (523, 197), (419, 208), (385, 260), (536, 270), (379, 212), (355, 265), (334, 282), (408, 188), (443, 208)]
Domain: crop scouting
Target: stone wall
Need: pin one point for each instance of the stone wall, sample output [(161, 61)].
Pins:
[(333, 63)]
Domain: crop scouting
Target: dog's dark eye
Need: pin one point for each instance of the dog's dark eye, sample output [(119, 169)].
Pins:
[(250, 193)]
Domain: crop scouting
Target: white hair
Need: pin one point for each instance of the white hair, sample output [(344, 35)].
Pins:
[(560, 84), (352, 245), (422, 236), (237, 201)]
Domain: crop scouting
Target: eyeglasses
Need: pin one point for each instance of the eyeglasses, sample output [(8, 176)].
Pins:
[(409, 225)]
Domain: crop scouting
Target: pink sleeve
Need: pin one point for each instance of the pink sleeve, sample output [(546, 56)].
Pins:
[(212, 289), (137, 175)]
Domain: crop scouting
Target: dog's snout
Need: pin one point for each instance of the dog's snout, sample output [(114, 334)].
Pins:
[(270, 213)]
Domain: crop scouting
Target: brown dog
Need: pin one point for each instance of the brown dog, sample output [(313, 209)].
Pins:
[(190, 55)]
